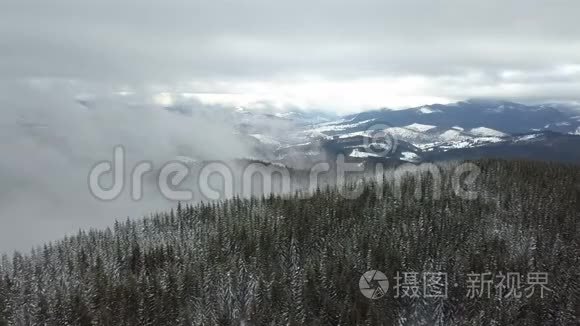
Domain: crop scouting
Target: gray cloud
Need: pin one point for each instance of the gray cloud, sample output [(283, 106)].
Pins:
[(184, 40)]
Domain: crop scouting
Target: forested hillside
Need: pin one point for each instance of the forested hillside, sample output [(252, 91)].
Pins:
[(297, 259)]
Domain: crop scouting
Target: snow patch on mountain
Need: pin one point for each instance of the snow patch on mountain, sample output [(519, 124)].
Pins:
[(452, 139), (409, 157), (527, 137), (419, 127), (408, 135), (428, 110), (357, 153), (487, 140), (453, 135), (354, 134), (483, 131), (468, 143), (339, 127)]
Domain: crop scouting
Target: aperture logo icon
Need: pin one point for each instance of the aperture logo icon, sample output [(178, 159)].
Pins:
[(373, 284)]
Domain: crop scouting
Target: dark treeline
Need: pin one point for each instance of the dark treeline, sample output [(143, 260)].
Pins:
[(293, 260)]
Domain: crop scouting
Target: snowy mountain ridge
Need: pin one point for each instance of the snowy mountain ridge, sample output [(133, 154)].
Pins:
[(425, 131)]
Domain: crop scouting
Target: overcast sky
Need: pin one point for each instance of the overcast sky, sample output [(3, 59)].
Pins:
[(336, 55), (130, 58)]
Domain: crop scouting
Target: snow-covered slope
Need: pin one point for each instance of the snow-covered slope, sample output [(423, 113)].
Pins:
[(409, 157), (419, 127), (340, 126), (483, 131), (453, 135), (428, 110), (361, 154)]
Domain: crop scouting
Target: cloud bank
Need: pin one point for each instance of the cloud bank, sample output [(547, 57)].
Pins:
[(334, 55), (49, 143)]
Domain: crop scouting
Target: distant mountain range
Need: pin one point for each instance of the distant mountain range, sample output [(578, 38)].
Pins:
[(468, 129), (504, 116)]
